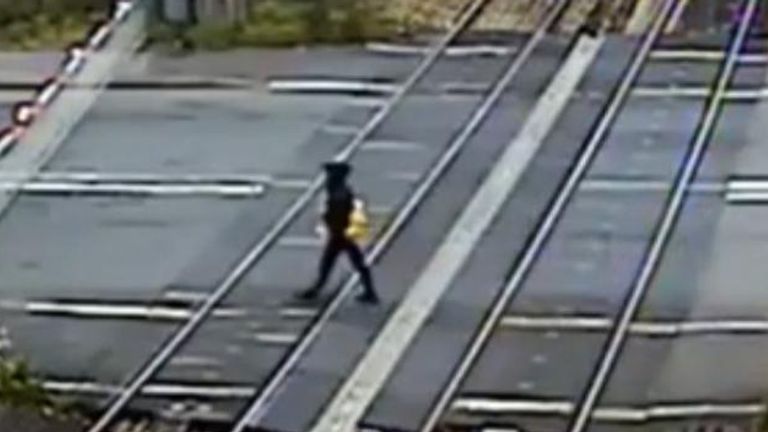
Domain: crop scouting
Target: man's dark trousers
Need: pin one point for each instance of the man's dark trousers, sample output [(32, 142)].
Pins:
[(338, 242)]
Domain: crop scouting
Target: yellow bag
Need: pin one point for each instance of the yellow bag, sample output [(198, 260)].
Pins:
[(359, 225)]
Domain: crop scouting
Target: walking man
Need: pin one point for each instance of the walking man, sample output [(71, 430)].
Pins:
[(340, 201)]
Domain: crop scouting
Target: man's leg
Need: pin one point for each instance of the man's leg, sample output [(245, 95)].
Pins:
[(358, 262), (332, 249)]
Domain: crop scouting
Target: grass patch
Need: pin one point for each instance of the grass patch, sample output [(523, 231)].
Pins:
[(22, 392), (43, 32), (45, 24), (286, 23), (54, 24), (18, 389), (274, 24)]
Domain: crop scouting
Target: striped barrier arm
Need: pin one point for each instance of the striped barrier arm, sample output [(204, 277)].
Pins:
[(24, 113)]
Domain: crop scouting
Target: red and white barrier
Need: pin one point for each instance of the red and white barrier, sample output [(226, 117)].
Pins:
[(48, 92), (25, 113), (99, 34), (8, 139)]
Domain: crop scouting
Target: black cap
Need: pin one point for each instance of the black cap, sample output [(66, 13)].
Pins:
[(337, 169)]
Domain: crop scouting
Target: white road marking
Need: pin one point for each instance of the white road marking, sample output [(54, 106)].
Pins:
[(745, 191), (488, 405), (638, 328), (392, 146), (555, 323), (457, 51), (743, 185), (192, 297), (747, 198), (350, 86), (628, 184), (609, 414), (276, 338), (701, 93), (108, 311), (132, 177), (349, 404), (297, 312), (159, 390), (746, 94), (159, 179), (146, 311), (244, 191), (706, 55), (342, 86), (195, 361), (185, 296)]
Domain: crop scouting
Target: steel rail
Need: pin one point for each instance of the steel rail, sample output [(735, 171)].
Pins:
[(133, 386), (435, 173), (553, 215), (663, 232)]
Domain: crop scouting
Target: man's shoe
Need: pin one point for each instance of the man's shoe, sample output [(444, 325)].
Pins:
[(369, 298)]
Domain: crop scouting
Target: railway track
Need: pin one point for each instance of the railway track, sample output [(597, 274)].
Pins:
[(239, 395), (552, 297)]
